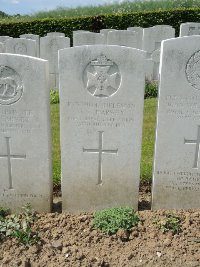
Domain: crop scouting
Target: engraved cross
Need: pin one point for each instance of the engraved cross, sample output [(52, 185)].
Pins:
[(10, 156), (197, 143), (100, 151)]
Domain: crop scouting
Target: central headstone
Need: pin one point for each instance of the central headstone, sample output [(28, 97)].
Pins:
[(25, 135), (101, 106), (176, 179)]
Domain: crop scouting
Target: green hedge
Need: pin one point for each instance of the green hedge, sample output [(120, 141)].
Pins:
[(117, 21)]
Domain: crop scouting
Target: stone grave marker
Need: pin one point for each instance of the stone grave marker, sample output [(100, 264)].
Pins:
[(106, 31), (101, 107), (2, 48), (49, 47), (4, 38), (152, 38), (21, 46), (176, 177), (56, 34), (139, 31), (25, 139), (88, 38), (122, 38), (33, 37), (189, 28)]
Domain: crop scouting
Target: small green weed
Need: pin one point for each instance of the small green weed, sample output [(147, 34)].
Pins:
[(151, 89), (54, 97), (170, 223), (111, 220), (19, 226)]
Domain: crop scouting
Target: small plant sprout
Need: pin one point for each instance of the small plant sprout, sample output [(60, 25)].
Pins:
[(111, 220), (170, 223), (19, 226)]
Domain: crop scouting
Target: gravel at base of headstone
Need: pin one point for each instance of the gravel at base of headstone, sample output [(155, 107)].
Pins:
[(101, 116), (25, 133), (176, 177)]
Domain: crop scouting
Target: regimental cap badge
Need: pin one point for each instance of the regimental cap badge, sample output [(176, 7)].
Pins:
[(102, 60)]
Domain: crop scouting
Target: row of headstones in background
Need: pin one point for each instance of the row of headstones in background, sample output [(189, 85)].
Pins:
[(32, 45), (101, 114), (148, 39)]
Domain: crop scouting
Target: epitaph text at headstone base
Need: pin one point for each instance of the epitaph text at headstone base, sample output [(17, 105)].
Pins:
[(101, 107), (25, 146), (49, 47), (176, 177), (21, 46), (189, 28), (33, 37)]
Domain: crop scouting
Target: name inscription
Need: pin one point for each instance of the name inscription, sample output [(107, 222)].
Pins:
[(22, 121), (100, 114), (183, 107)]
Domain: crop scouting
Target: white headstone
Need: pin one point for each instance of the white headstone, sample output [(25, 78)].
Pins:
[(106, 31), (88, 38), (101, 107), (189, 28), (139, 31), (25, 139), (2, 48), (4, 38), (176, 178), (33, 37), (21, 46), (49, 47), (123, 38), (56, 34), (152, 38)]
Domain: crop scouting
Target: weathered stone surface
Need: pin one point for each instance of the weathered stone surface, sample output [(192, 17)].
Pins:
[(33, 37), (25, 146), (101, 107), (106, 31), (152, 38), (189, 28), (176, 178), (21, 46), (4, 38), (123, 38), (56, 34), (139, 31), (49, 47), (2, 48), (88, 38)]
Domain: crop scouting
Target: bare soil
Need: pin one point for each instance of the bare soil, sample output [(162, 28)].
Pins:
[(69, 240)]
